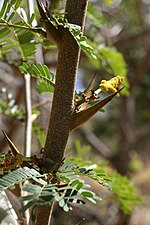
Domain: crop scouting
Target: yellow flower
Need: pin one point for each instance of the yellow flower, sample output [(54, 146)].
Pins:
[(112, 84)]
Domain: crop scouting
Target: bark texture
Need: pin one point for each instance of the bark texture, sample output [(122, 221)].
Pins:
[(63, 100), (63, 107)]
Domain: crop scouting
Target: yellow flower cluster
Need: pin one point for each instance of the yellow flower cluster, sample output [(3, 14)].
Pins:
[(112, 84)]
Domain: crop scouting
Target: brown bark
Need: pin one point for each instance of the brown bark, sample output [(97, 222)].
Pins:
[(43, 215), (62, 106)]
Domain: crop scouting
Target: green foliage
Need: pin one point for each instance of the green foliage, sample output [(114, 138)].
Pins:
[(25, 41), (114, 60), (69, 186), (124, 192), (47, 79), (114, 64), (23, 37), (81, 39), (24, 33), (40, 134), (94, 14), (81, 150), (11, 179)]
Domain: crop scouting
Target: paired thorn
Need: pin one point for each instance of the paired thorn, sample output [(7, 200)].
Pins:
[(79, 118)]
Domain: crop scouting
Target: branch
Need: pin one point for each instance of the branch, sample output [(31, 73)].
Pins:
[(63, 100), (123, 41), (96, 143)]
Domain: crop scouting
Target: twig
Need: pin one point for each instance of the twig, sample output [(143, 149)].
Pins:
[(81, 221), (122, 42), (39, 104), (96, 143), (28, 118)]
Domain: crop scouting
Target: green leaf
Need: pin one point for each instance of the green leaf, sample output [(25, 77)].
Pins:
[(72, 165), (36, 189), (3, 9), (43, 87), (28, 50), (26, 198), (11, 16), (4, 32), (27, 206), (7, 10), (40, 133), (32, 18), (58, 197), (97, 18), (61, 203), (91, 200), (13, 2), (115, 60), (80, 185), (87, 194), (25, 37), (64, 165), (66, 208), (17, 4), (124, 192), (39, 71), (9, 180), (74, 183)]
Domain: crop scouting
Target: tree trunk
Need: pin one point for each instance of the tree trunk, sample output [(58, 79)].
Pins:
[(63, 100), (63, 105)]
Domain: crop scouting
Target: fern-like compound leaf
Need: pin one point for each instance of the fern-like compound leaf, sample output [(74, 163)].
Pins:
[(11, 179)]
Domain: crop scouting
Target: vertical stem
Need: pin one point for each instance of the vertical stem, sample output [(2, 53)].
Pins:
[(63, 100), (62, 107), (28, 106), (28, 126), (28, 122)]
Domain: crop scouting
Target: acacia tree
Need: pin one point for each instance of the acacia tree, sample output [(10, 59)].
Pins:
[(68, 59), (62, 115), (67, 111)]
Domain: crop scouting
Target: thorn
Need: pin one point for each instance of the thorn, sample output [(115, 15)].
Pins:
[(41, 9), (81, 221), (87, 91), (14, 149), (81, 117), (53, 34)]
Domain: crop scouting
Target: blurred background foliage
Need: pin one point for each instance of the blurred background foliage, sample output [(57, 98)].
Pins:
[(119, 32)]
